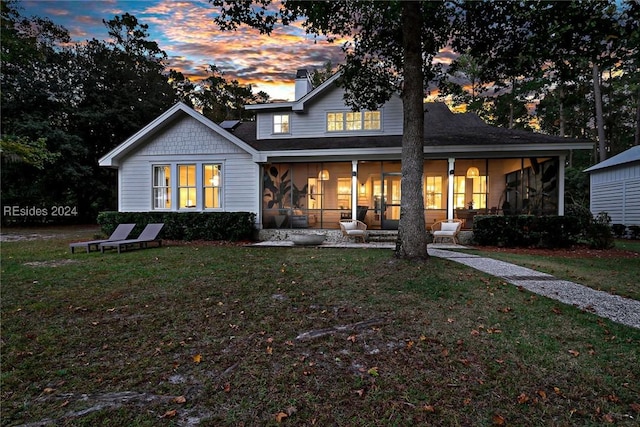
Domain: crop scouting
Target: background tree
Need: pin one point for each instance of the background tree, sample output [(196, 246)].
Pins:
[(391, 48)]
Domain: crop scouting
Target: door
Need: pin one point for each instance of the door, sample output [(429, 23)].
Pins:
[(390, 200)]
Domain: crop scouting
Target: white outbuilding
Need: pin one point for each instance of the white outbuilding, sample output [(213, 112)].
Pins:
[(615, 187)]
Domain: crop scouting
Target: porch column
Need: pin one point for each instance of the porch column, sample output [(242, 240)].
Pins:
[(354, 189), (561, 160), (452, 165)]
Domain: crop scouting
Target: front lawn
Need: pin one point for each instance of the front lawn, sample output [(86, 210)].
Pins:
[(232, 335)]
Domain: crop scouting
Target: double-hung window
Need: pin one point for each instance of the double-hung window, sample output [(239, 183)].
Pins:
[(187, 190), (162, 187), (212, 183), (280, 123)]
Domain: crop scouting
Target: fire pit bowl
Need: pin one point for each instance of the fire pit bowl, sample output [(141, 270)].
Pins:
[(307, 239)]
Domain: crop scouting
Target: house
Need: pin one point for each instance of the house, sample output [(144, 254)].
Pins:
[(312, 161), (615, 187)]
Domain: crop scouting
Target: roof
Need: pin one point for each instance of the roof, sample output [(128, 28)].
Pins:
[(628, 156), (178, 110), (442, 128)]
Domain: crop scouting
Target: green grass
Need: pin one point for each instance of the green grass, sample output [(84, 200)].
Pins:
[(616, 275), (441, 344)]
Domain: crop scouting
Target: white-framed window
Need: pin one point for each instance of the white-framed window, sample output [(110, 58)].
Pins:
[(161, 187), (335, 122), (281, 123), (212, 185), (353, 121), (187, 190), (372, 120)]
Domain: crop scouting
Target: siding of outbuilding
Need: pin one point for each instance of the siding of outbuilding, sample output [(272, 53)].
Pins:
[(188, 141), (616, 190)]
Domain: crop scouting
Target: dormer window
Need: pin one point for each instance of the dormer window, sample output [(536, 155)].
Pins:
[(353, 121), (280, 123)]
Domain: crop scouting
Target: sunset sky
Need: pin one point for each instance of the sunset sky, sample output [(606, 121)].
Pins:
[(186, 32)]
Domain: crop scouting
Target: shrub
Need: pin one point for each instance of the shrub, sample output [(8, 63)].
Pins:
[(635, 231), (526, 231), (187, 225), (598, 233), (619, 230)]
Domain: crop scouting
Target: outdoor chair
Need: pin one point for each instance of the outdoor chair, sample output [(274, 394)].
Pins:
[(446, 229), (354, 228), (148, 235), (121, 232)]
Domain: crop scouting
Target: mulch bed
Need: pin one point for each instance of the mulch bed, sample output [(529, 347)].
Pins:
[(573, 252)]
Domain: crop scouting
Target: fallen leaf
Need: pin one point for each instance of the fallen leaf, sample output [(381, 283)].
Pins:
[(65, 403), (498, 420), (445, 352), (608, 418), (48, 390), (280, 416), (556, 310), (574, 353), (373, 371), (360, 392), (269, 349), (429, 408), (613, 398), (227, 387), (180, 399), (197, 358), (635, 407), (557, 391), (467, 401), (542, 394), (475, 332), (351, 338), (450, 320), (170, 414), (523, 398), (410, 345)]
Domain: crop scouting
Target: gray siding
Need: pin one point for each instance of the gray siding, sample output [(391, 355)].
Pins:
[(312, 123), (617, 192), (188, 141)]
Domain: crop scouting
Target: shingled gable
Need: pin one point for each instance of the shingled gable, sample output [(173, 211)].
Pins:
[(179, 110), (443, 128)]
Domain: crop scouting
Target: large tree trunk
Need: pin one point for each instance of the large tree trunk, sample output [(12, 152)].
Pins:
[(412, 236), (602, 146)]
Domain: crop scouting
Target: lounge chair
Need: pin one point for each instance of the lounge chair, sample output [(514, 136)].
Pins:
[(148, 235), (446, 229), (354, 228), (121, 232)]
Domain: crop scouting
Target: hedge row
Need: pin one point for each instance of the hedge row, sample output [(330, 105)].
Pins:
[(527, 231), (186, 226)]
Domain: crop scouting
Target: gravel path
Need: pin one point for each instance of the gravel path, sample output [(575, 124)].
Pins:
[(614, 307)]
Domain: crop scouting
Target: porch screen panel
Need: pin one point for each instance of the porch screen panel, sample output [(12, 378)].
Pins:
[(162, 187), (479, 192), (459, 192), (433, 192)]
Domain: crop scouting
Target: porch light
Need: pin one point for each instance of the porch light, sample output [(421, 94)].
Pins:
[(323, 175), (473, 172), (363, 190)]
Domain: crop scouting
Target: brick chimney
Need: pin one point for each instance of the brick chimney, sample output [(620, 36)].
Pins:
[(303, 83)]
